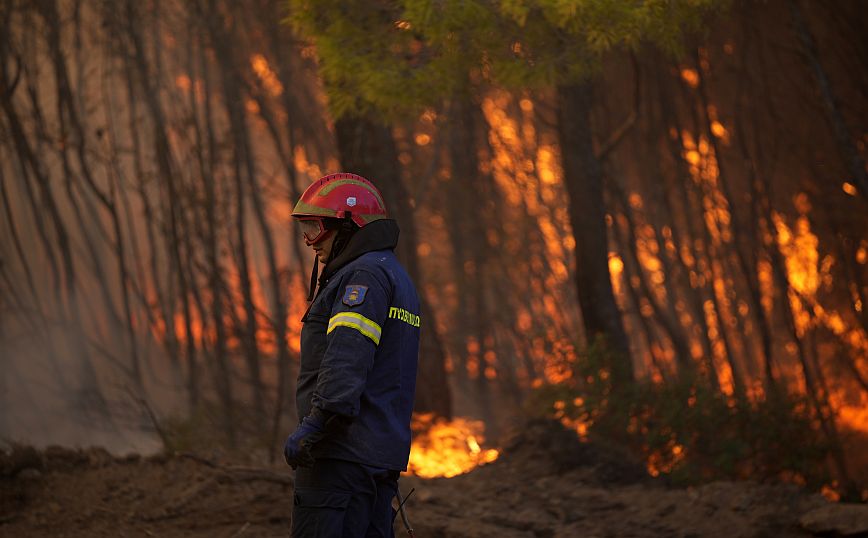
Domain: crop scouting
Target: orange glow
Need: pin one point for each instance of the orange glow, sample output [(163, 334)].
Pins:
[(828, 491), (799, 246), (691, 77), (195, 327), (524, 321), (852, 413), (297, 307), (805, 272), (312, 170), (766, 284), (849, 188), (665, 460), (719, 131), (580, 425), (182, 82), (616, 268), (862, 253), (265, 337), (546, 162), (447, 448), (266, 75)]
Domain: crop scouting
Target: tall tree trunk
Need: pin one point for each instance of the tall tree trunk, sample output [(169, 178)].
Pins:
[(368, 148), (470, 250), (583, 178), (243, 172), (849, 152)]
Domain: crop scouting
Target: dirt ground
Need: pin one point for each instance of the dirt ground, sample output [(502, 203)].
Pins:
[(546, 484)]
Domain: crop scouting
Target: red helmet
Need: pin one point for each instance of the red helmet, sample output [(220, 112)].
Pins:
[(339, 196)]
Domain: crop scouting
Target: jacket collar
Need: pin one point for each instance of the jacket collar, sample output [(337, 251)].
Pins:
[(378, 235)]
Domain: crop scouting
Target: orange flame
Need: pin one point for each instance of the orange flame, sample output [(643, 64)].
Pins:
[(447, 448)]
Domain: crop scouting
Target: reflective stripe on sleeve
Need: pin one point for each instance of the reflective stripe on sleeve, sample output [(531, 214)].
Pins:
[(357, 322)]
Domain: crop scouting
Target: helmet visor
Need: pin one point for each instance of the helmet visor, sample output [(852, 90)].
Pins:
[(313, 229)]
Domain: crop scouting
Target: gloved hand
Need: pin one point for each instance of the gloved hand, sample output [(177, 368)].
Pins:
[(296, 450)]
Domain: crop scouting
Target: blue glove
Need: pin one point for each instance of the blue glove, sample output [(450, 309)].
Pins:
[(296, 450)]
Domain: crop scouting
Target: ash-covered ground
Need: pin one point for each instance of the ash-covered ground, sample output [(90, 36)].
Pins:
[(545, 484)]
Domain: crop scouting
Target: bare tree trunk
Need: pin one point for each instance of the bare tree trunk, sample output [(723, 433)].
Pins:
[(16, 241), (244, 178), (583, 178), (166, 311), (223, 371), (849, 153)]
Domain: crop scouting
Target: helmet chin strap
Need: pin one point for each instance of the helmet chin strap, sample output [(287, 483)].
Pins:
[(313, 276)]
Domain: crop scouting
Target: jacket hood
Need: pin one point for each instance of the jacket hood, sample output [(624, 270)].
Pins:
[(378, 235)]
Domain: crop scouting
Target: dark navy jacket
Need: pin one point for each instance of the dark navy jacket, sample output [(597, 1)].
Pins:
[(359, 352)]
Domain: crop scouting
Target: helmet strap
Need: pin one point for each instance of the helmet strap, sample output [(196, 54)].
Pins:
[(313, 276), (342, 238)]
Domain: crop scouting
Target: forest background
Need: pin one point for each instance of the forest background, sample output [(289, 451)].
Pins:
[(647, 220)]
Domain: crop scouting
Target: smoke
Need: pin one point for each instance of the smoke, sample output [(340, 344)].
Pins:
[(54, 391)]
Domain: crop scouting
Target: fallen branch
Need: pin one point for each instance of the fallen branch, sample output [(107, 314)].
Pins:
[(235, 473)]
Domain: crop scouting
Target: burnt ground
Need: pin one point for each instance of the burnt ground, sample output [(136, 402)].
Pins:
[(546, 484)]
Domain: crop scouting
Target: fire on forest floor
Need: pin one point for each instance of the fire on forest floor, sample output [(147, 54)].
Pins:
[(545, 483), (446, 448)]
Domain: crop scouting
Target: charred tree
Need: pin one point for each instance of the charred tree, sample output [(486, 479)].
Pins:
[(583, 177), (849, 152)]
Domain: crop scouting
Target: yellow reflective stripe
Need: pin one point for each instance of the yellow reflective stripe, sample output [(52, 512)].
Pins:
[(357, 322), (303, 208)]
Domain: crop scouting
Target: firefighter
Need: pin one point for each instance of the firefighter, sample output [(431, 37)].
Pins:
[(359, 356)]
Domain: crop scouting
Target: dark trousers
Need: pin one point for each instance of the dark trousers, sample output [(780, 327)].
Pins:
[(342, 499)]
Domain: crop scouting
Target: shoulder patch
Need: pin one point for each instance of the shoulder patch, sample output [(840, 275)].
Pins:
[(354, 295)]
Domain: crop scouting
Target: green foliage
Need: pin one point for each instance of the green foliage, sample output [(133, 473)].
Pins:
[(393, 57), (688, 431)]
